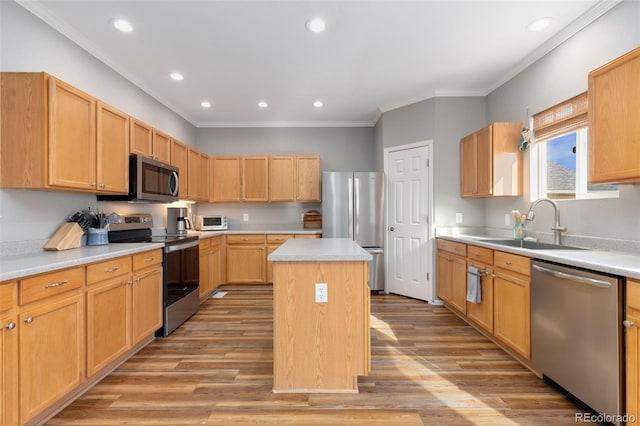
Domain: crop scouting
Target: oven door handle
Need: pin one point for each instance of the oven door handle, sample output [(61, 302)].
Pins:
[(571, 277), (181, 246)]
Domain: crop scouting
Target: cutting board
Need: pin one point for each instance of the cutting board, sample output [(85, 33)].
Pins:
[(68, 236)]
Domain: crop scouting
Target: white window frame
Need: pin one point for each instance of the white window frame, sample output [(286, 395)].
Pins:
[(538, 171)]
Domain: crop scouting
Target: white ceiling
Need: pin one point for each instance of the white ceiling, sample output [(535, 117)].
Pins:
[(373, 56)]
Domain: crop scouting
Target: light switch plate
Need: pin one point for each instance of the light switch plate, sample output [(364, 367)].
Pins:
[(322, 295), (507, 219), (458, 217), (245, 217)]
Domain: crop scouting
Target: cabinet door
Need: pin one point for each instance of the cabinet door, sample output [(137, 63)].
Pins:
[(482, 313), (246, 264), (140, 138), (468, 166), (179, 155), (614, 128), (72, 137), (632, 362), (511, 301), (443, 284), (458, 276), (225, 179), (484, 161), (216, 262), (161, 146), (282, 171), (108, 322), (204, 178), (51, 340), (308, 178), (8, 369), (206, 281), (146, 302), (194, 175), (112, 150), (255, 179)]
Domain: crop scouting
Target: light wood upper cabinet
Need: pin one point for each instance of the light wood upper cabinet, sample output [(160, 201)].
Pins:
[(72, 137), (179, 158), (308, 178), (141, 138), (225, 181), (161, 146), (614, 127), (282, 174), (112, 149), (198, 166), (255, 178), (204, 178), (491, 162)]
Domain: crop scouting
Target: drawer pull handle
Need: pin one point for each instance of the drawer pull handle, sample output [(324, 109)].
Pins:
[(627, 323), (508, 262), (10, 326), (28, 320), (58, 284), (149, 259), (107, 271), (129, 282)]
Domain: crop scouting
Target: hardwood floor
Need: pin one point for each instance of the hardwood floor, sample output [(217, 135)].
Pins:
[(428, 368)]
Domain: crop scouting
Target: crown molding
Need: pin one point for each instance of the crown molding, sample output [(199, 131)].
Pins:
[(234, 124)]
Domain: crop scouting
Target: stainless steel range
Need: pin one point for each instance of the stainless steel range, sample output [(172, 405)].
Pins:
[(180, 264)]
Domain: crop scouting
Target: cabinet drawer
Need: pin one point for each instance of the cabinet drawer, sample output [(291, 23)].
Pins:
[(480, 254), (108, 269), (246, 239), (36, 288), (205, 244), (278, 238), (146, 259), (8, 295), (452, 247), (308, 236), (512, 262)]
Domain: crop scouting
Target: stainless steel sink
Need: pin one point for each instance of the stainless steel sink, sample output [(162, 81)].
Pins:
[(532, 245)]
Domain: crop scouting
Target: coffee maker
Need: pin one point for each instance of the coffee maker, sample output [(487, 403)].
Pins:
[(176, 221)]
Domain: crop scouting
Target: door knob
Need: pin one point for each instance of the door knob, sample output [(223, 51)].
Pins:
[(391, 228)]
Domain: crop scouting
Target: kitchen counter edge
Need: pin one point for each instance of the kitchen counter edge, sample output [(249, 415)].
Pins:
[(209, 234), (319, 250), (611, 262), (20, 266)]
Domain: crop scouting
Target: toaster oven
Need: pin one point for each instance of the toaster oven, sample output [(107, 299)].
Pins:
[(211, 223)]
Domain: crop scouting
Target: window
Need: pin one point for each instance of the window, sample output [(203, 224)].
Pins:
[(558, 160)]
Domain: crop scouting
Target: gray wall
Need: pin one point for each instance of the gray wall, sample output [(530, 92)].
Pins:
[(557, 76), (445, 121)]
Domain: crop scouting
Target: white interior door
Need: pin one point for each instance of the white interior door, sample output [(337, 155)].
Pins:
[(409, 257)]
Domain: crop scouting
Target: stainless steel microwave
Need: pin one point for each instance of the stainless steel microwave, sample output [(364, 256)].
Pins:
[(149, 180)]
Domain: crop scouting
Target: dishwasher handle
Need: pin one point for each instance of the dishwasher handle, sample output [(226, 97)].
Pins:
[(571, 277)]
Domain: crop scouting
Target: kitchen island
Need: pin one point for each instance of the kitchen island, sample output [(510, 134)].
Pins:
[(321, 328)]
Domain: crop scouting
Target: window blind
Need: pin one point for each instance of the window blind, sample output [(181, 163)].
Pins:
[(562, 118)]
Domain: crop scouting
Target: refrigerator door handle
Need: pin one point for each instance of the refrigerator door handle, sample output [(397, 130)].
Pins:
[(350, 210), (356, 206)]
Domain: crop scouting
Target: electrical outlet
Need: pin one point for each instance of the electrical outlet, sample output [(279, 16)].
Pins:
[(245, 217), (507, 219), (322, 295), (458, 217)]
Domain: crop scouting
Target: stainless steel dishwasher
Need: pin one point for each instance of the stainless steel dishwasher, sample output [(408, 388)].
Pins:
[(576, 334)]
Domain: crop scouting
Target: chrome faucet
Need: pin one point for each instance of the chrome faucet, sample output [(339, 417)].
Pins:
[(557, 228)]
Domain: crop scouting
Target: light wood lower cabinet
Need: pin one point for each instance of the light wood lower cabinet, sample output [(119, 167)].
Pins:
[(52, 352), (8, 354), (246, 259), (632, 362), (146, 295), (273, 242), (452, 274)]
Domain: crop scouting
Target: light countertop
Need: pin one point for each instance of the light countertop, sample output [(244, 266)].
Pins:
[(208, 234), (319, 249), (612, 262), (22, 265)]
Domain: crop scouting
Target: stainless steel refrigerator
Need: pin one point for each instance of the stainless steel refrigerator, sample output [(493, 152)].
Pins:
[(353, 207)]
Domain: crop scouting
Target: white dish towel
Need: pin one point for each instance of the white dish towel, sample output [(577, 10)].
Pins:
[(474, 292)]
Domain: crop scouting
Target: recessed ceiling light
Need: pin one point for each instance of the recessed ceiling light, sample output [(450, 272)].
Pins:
[(205, 104), (316, 25), (318, 104), (263, 104), (123, 25), (539, 24), (176, 76)]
